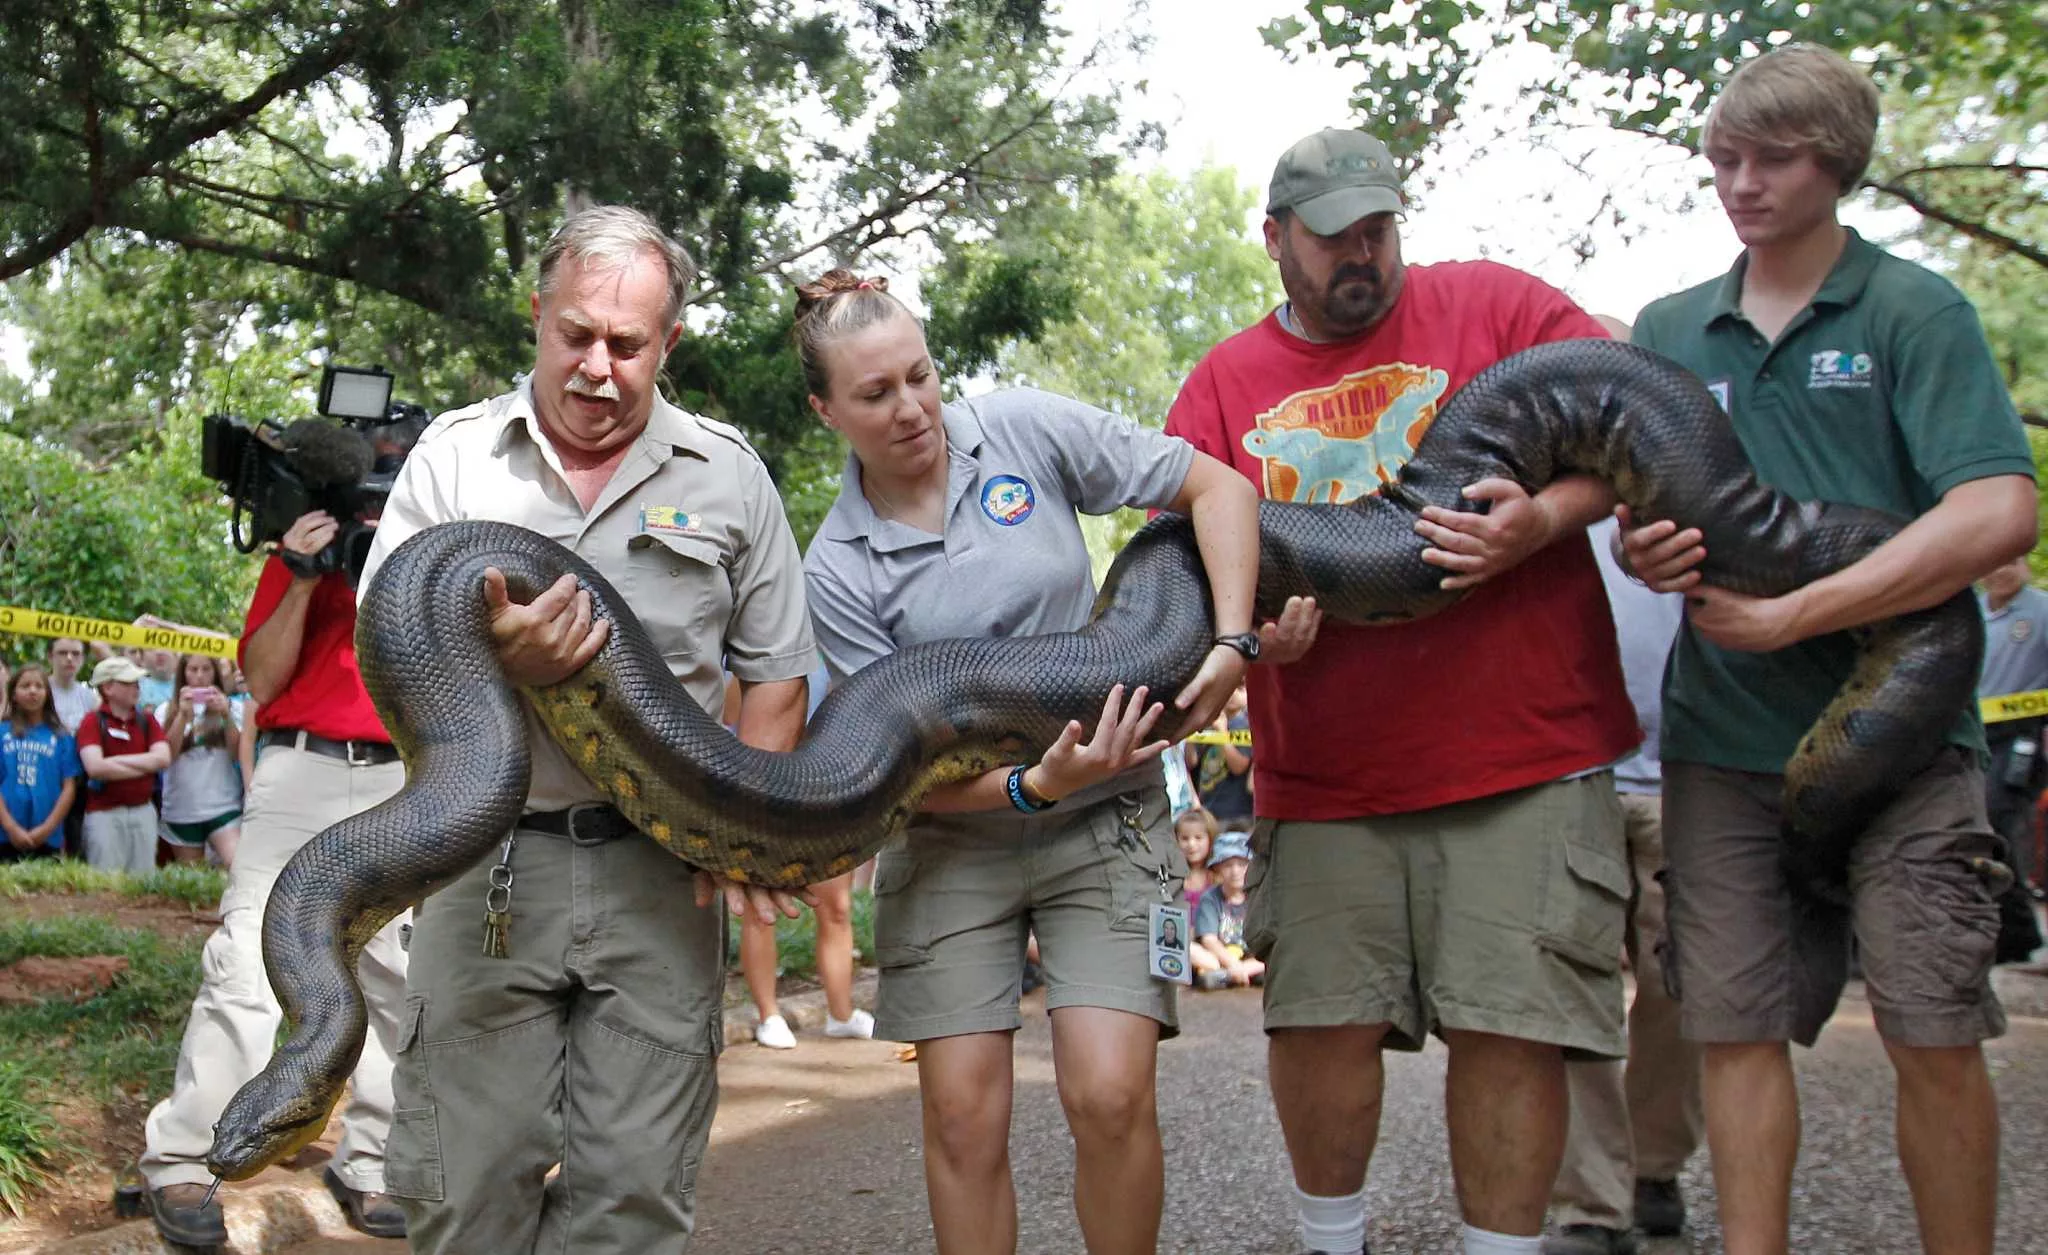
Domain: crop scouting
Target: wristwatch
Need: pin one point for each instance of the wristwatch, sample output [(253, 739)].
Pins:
[(1246, 643)]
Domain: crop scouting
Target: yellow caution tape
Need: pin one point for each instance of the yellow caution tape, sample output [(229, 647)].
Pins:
[(2028, 705), (1237, 736), (50, 623)]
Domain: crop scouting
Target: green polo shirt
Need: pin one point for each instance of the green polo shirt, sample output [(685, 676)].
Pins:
[(1881, 393)]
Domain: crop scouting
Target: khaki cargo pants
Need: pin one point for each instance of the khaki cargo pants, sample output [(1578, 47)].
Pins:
[(592, 1045)]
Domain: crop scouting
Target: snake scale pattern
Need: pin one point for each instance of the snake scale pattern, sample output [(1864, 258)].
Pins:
[(949, 710)]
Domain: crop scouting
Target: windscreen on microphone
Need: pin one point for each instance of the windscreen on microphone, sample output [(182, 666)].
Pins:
[(327, 454)]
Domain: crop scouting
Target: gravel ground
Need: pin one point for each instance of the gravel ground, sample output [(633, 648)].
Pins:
[(854, 1182), (816, 1149)]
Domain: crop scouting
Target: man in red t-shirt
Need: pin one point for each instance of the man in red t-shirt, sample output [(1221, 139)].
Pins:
[(1439, 847), (323, 755), (122, 748)]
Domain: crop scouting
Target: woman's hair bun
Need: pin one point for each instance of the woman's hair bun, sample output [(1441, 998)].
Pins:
[(830, 284)]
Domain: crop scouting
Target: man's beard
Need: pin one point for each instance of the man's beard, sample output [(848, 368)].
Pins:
[(1355, 298), (581, 385)]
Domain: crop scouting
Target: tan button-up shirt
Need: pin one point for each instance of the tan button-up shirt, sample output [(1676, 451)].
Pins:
[(690, 530)]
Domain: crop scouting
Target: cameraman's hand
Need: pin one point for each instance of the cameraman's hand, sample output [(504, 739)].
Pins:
[(547, 640), (309, 534)]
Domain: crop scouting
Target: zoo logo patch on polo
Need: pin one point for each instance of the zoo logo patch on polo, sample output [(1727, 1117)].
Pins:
[(1837, 368), (2021, 630), (668, 518), (1007, 500), (1342, 441)]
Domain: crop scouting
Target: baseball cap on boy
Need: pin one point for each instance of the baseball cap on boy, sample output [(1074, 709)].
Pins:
[(1231, 845)]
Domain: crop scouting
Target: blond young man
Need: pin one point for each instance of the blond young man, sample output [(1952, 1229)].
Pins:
[(1853, 376)]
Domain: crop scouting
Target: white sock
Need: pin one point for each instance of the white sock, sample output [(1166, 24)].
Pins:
[(1335, 1226), (1481, 1242)]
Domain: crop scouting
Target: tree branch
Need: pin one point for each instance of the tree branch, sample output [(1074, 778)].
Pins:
[(894, 205), (1975, 230), (296, 75)]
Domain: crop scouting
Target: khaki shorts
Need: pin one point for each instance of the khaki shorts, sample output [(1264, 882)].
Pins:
[(1748, 962), (956, 899), (1499, 915)]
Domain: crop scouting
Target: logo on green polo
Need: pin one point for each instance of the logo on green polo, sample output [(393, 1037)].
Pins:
[(1839, 368)]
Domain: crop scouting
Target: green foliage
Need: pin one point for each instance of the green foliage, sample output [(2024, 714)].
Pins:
[(1652, 69), (1155, 270), (31, 1145), (140, 535), (194, 884), (206, 206)]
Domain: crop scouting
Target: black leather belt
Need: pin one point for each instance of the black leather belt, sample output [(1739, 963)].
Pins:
[(354, 753), (590, 822)]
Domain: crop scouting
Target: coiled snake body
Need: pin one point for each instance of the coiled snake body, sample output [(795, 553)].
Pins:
[(953, 709)]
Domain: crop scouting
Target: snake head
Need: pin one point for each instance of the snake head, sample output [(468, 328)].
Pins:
[(264, 1123)]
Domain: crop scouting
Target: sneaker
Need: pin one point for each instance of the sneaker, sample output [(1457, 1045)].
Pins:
[(774, 1033), (859, 1024), (368, 1211), (1660, 1208), (1212, 978), (1590, 1239), (181, 1217)]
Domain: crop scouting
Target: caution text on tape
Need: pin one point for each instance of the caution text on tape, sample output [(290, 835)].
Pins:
[(50, 623), (2029, 705)]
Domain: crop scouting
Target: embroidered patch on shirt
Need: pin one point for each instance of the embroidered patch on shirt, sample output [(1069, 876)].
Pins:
[(2021, 629), (1834, 368), (667, 518), (1008, 500)]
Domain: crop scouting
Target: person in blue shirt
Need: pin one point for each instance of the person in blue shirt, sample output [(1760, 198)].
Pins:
[(38, 769)]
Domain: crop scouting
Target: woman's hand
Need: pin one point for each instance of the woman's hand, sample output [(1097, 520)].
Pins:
[(1203, 699), (757, 901), (1119, 742), (218, 703)]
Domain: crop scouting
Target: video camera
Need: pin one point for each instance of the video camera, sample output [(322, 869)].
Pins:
[(277, 472)]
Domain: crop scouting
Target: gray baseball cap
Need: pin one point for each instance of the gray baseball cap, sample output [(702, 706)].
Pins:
[(1333, 178)]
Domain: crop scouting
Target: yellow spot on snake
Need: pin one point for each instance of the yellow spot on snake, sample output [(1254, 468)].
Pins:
[(659, 830), (839, 866), (625, 785)]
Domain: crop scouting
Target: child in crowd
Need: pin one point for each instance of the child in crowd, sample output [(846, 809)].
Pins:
[(203, 785), (38, 769), (1194, 830), (1219, 917)]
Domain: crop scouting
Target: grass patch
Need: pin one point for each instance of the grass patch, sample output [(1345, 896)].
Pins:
[(32, 1147), (123, 1038), (195, 884), (796, 940)]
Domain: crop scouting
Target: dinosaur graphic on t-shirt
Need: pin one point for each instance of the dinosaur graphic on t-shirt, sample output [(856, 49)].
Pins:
[(1328, 465)]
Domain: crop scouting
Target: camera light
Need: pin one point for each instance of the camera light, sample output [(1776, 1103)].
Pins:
[(355, 392)]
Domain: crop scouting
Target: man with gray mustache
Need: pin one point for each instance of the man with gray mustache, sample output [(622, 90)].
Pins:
[(564, 999)]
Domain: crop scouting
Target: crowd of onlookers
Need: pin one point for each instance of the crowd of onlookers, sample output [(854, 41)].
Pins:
[(138, 762)]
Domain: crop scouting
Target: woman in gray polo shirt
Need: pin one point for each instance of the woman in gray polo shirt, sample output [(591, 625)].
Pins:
[(957, 521)]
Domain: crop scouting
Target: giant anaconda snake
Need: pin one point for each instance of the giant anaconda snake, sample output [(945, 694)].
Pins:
[(952, 709)]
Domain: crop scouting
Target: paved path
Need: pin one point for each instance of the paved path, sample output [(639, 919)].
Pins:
[(816, 1149)]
